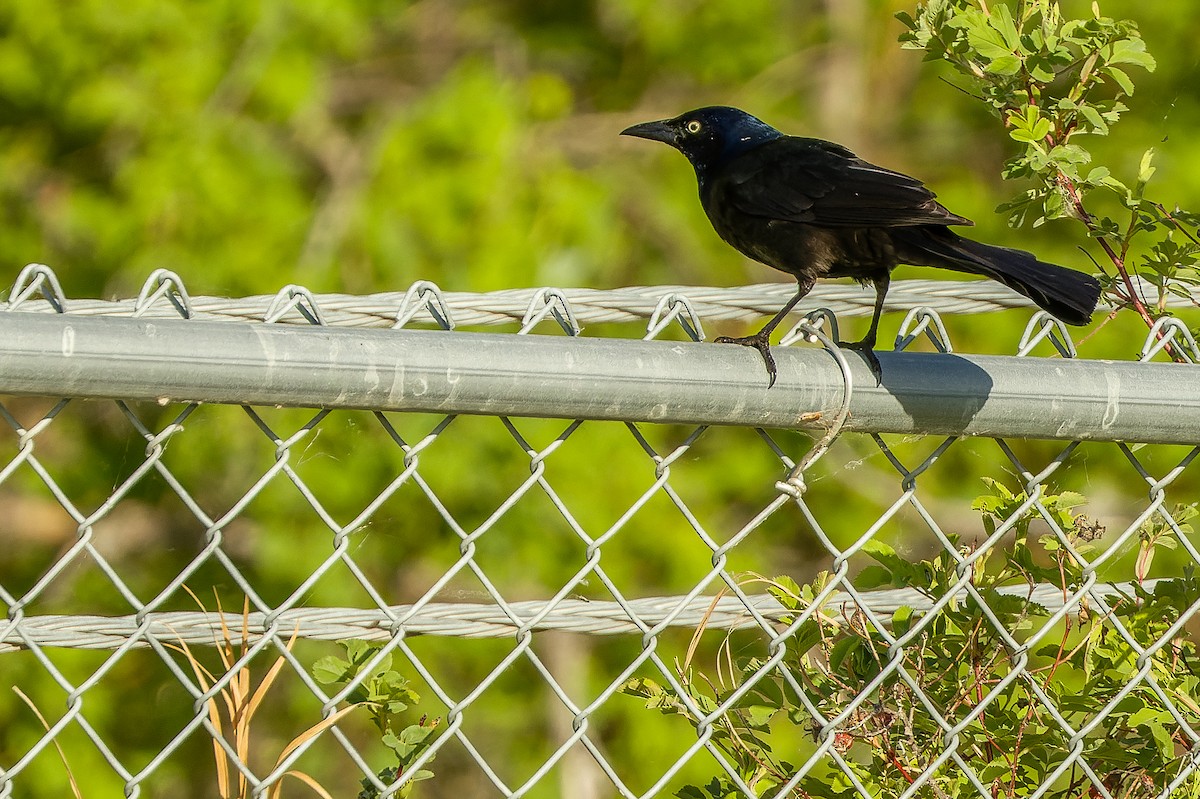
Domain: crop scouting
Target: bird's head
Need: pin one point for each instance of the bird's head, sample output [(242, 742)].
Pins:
[(709, 137)]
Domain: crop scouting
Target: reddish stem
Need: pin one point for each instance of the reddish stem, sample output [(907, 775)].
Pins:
[(899, 766), (1118, 261)]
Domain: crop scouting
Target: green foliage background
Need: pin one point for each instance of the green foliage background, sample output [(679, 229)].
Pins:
[(359, 147)]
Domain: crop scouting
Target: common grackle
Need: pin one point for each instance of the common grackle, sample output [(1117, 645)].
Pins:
[(814, 209)]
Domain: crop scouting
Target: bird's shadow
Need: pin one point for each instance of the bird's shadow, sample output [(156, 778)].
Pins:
[(941, 393)]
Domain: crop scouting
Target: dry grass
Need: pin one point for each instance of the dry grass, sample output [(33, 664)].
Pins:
[(61, 754), (240, 701)]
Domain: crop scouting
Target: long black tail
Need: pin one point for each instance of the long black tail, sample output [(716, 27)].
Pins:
[(1069, 295)]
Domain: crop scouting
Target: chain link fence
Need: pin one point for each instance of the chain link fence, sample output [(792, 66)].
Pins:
[(566, 565)]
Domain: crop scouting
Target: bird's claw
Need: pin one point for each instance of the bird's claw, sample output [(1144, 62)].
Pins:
[(763, 344), (759, 342), (867, 350)]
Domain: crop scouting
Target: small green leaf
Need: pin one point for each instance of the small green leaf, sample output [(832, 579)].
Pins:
[(808, 636), (1067, 499), (1004, 65), (1093, 116), (1040, 71), (1121, 79), (1115, 185), (1001, 19), (1030, 126), (842, 650), (408, 743), (1146, 169), (1162, 738), (691, 792), (1069, 154), (759, 716), (330, 670), (643, 687), (1146, 715), (879, 550), (415, 733), (982, 35), (997, 769), (390, 740), (872, 577), (1132, 51)]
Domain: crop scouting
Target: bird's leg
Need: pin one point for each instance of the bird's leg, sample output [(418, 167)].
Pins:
[(866, 345), (761, 340)]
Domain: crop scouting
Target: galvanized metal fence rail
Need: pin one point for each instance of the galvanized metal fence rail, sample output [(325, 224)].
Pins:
[(166, 364)]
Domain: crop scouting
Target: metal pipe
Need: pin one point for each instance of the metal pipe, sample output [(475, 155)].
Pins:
[(164, 360)]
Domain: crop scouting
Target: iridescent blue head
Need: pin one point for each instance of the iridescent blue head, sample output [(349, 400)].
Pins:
[(709, 137)]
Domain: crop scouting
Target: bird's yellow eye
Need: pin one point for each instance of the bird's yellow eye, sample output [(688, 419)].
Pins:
[(693, 126)]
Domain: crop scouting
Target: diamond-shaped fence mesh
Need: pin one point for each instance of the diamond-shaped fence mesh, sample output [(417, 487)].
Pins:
[(253, 547)]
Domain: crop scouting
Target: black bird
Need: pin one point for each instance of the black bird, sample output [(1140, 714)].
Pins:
[(814, 209)]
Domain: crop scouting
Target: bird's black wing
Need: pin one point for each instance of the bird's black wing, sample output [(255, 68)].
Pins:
[(822, 183)]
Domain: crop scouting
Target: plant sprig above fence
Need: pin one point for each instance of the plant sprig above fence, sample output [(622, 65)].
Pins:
[(1050, 79), (386, 694)]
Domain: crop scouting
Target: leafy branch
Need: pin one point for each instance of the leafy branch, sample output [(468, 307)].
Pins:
[(1051, 79), (970, 660)]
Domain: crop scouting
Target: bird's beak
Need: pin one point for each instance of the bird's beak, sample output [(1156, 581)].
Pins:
[(661, 131)]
